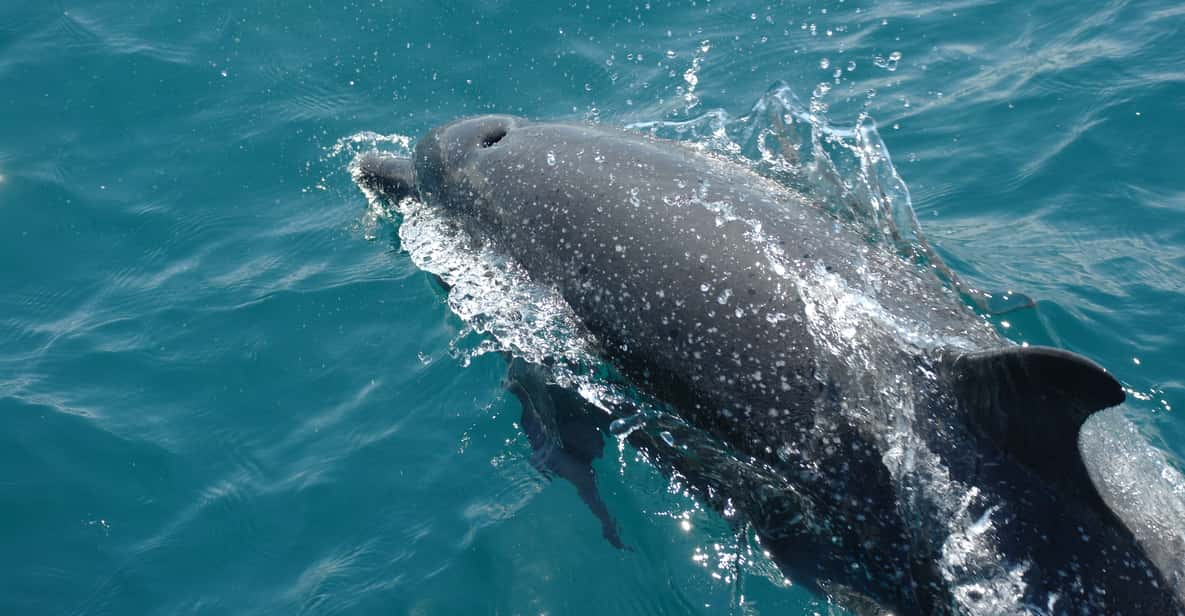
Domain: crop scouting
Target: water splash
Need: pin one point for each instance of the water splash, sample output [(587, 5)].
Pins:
[(846, 170)]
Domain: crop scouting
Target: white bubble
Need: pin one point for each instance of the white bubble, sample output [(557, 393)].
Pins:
[(890, 63)]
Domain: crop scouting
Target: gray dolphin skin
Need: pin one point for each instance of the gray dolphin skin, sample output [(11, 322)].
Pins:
[(758, 319)]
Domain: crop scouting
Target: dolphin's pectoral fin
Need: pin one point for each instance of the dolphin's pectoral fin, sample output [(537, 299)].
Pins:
[(1031, 402), (565, 433), (391, 176)]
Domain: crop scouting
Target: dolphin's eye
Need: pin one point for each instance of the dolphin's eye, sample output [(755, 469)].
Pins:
[(493, 137)]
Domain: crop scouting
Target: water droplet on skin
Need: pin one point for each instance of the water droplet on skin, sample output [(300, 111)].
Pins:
[(724, 296), (671, 53), (667, 438), (825, 64), (551, 158), (623, 427)]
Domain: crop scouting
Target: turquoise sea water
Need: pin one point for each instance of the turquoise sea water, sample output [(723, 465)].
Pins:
[(224, 390)]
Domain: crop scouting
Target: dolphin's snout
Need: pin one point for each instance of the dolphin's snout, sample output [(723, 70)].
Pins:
[(391, 175)]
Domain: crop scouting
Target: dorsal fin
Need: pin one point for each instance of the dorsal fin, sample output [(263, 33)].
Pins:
[(1031, 402)]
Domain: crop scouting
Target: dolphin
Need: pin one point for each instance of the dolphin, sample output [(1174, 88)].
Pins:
[(887, 446)]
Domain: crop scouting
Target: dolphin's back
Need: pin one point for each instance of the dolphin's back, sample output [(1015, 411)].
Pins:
[(643, 240)]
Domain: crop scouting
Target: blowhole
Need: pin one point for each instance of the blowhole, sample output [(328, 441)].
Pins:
[(493, 137)]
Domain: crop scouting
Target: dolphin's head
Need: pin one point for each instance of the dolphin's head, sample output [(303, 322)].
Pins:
[(446, 157), (442, 170)]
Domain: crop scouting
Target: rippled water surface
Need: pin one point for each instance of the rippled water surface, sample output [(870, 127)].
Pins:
[(225, 387)]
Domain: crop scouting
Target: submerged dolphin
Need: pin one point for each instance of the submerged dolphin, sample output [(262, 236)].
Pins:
[(887, 446)]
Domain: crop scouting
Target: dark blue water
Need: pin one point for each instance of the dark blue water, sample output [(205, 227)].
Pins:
[(225, 390)]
